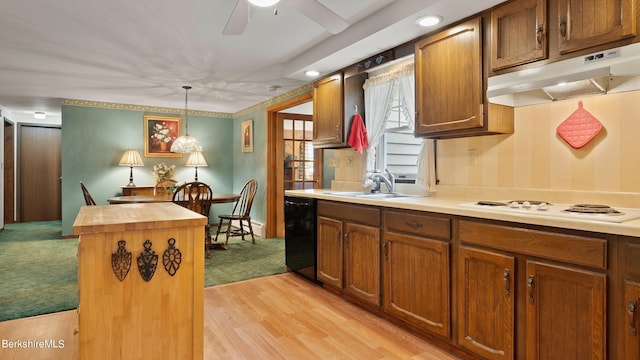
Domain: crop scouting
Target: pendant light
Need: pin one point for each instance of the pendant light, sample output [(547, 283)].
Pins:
[(186, 143)]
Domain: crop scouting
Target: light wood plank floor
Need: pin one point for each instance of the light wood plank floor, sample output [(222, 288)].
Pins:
[(274, 317)]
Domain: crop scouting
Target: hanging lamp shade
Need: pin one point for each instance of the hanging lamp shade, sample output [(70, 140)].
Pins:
[(186, 144)]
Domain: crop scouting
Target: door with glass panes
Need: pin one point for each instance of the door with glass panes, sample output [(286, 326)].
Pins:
[(301, 170)]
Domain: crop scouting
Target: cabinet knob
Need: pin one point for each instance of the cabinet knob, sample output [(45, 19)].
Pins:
[(507, 284), (530, 289), (631, 311)]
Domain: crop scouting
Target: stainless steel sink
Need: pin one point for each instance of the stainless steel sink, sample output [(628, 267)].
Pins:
[(367, 194)]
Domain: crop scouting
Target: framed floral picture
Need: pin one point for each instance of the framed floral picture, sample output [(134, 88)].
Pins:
[(159, 134), (246, 132)]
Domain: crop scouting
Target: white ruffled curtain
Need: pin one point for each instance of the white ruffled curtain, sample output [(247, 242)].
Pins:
[(377, 92)]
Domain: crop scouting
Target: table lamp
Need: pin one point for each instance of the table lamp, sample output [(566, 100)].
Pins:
[(196, 159), (131, 158)]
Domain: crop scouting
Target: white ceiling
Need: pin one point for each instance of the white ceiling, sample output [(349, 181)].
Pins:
[(141, 52)]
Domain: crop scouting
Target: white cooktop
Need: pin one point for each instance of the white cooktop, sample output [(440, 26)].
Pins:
[(555, 210)]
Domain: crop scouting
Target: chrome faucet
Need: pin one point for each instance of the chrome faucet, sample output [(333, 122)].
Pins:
[(377, 177)]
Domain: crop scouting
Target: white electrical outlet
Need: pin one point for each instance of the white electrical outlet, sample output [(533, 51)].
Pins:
[(472, 157)]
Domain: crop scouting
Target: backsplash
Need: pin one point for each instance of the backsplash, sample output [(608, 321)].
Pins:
[(536, 159)]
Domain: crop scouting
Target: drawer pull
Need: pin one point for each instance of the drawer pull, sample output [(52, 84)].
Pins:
[(539, 36), (563, 29), (505, 276), (631, 310), (530, 289), (413, 224)]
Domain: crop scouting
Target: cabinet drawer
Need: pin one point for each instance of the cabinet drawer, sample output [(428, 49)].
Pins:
[(418, 224), (574, 249), (356, 213), (631, 251)]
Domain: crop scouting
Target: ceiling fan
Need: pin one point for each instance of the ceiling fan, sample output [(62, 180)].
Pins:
[(312, 9)]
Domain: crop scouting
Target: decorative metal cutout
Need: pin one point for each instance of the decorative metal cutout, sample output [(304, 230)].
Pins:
[(121, 261), (147, 262), (172, 257)]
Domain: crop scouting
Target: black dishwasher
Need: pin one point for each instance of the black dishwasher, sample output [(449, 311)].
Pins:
[(300, 236)]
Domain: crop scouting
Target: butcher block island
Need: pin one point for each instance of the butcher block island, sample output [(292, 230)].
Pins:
[(140, 281)]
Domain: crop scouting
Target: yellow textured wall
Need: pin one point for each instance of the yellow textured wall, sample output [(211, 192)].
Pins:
[(536, 157)]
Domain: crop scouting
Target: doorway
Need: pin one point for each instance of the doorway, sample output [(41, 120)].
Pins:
[(39, 173), (275, 187), (9, 173), (300, 167)]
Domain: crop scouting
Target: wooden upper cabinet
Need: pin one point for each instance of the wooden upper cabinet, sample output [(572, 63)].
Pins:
[(328, 111), (449, 80), (335, 100), (587, 23), (518, 33)]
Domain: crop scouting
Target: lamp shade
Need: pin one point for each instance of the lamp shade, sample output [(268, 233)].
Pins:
[(131, 157), (186, 144), (264, 3), (196, 158)]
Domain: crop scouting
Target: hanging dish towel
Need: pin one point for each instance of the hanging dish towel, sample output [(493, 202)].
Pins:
[(358, 137)]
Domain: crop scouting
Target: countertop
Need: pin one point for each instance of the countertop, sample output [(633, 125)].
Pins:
[(132, 217), (451, 206)]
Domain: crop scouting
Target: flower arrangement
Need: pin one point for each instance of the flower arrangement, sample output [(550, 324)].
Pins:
[(160, 133), (162, 172)]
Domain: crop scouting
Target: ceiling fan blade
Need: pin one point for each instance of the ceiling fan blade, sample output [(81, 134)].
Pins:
[(238, 20), (320, 14)]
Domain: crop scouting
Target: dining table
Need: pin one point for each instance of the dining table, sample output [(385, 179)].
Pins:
[(216, 199)]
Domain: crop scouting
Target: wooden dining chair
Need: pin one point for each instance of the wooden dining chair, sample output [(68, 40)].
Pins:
[(241, 213), (87, 196), (196, 196)]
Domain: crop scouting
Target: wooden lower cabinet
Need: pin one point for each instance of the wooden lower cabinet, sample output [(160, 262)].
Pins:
[(416, 281), (329, 252), (486, 300), (362, 262), (348, 249), (565, 312), (631, 331)]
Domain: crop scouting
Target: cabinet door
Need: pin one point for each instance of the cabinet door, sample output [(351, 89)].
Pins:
[(518, 33), (565, 313), (449, 86), (328, 113), (362, 262), (587, 23), (416, 281), (630, 332), (330, 251), (486, 303)]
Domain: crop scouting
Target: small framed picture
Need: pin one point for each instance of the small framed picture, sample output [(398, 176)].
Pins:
[(246, 131), (159, 134)]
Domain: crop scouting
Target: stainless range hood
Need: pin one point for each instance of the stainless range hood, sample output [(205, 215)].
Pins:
[(609, 71)]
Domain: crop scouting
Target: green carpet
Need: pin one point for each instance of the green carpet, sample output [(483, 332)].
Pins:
[(39, 271)]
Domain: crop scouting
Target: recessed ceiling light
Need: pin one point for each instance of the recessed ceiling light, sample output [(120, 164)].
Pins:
[(39, 115), (429, 20), (264, 3), (311, 73)]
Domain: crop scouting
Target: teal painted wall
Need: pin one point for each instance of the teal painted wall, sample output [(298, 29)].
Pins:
[(94, 139), (252, 165)]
